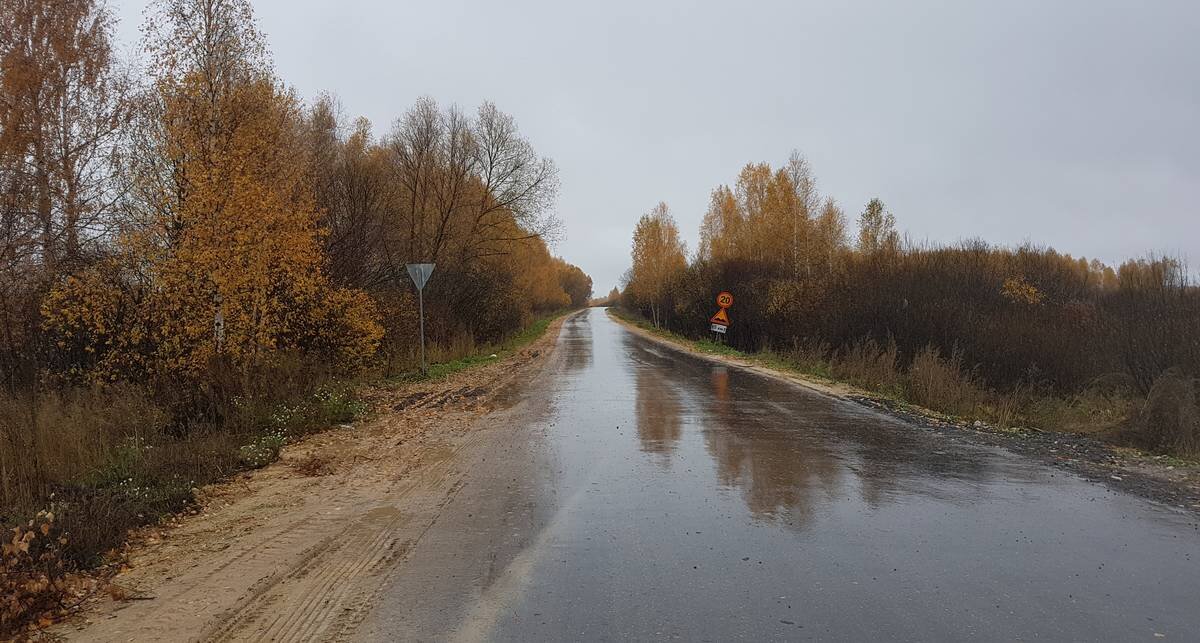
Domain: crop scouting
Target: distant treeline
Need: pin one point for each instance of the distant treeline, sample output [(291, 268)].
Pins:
[(1021, 323)]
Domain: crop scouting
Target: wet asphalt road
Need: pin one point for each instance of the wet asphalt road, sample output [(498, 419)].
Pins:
[(633, 492)]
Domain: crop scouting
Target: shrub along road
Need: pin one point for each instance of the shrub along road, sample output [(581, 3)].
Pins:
[(621, 489)]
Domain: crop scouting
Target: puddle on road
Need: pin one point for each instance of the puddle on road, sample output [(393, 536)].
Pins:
[(783, 449)]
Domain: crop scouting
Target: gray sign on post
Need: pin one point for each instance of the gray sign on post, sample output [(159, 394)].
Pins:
[(420, 273)]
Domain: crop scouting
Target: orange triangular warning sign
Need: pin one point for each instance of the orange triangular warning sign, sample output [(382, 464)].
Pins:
[(720, 318)]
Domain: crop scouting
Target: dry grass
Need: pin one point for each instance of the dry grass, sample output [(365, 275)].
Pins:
[(114, 457), (1170, 418), (943, 383), (810, 358), (109, 458), (462, 345), (1105, 415), (406, 361), (869, 365), (57, 437), (1109, 408)]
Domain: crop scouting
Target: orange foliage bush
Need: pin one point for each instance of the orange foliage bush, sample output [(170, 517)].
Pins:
[(32, 574), (233, 269)]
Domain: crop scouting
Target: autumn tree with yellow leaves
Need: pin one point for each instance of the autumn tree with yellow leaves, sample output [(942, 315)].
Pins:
[(658, 255), (773, 217), (222, 258), (63, 109)]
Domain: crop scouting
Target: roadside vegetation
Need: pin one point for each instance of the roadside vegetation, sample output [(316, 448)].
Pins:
[(196, 266), (611, 299), (448, 362), (1016, 337)]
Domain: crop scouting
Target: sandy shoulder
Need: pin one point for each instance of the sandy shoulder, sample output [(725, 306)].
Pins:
[(300, 547)]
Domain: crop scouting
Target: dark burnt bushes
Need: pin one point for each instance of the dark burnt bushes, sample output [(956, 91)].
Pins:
[(1013, 335), (968, 319), (1169, 420)]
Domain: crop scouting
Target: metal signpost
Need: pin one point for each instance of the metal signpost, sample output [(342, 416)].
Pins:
[(420, 275), (720, 321)]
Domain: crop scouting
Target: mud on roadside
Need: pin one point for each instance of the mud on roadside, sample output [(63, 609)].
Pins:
[(247, 559)]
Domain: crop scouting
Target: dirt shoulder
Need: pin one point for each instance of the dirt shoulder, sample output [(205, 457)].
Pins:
[(1161, 479), (299, 549)]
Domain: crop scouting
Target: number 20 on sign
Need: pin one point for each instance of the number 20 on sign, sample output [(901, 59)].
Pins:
[(720, 321)]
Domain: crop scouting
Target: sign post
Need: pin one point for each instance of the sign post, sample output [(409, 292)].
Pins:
[(720, 321), (420, 273)]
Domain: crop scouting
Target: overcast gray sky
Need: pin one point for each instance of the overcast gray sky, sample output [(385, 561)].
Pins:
[(1070, 123)]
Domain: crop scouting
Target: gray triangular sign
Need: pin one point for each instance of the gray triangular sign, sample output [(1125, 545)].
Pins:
[(420, 273)]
